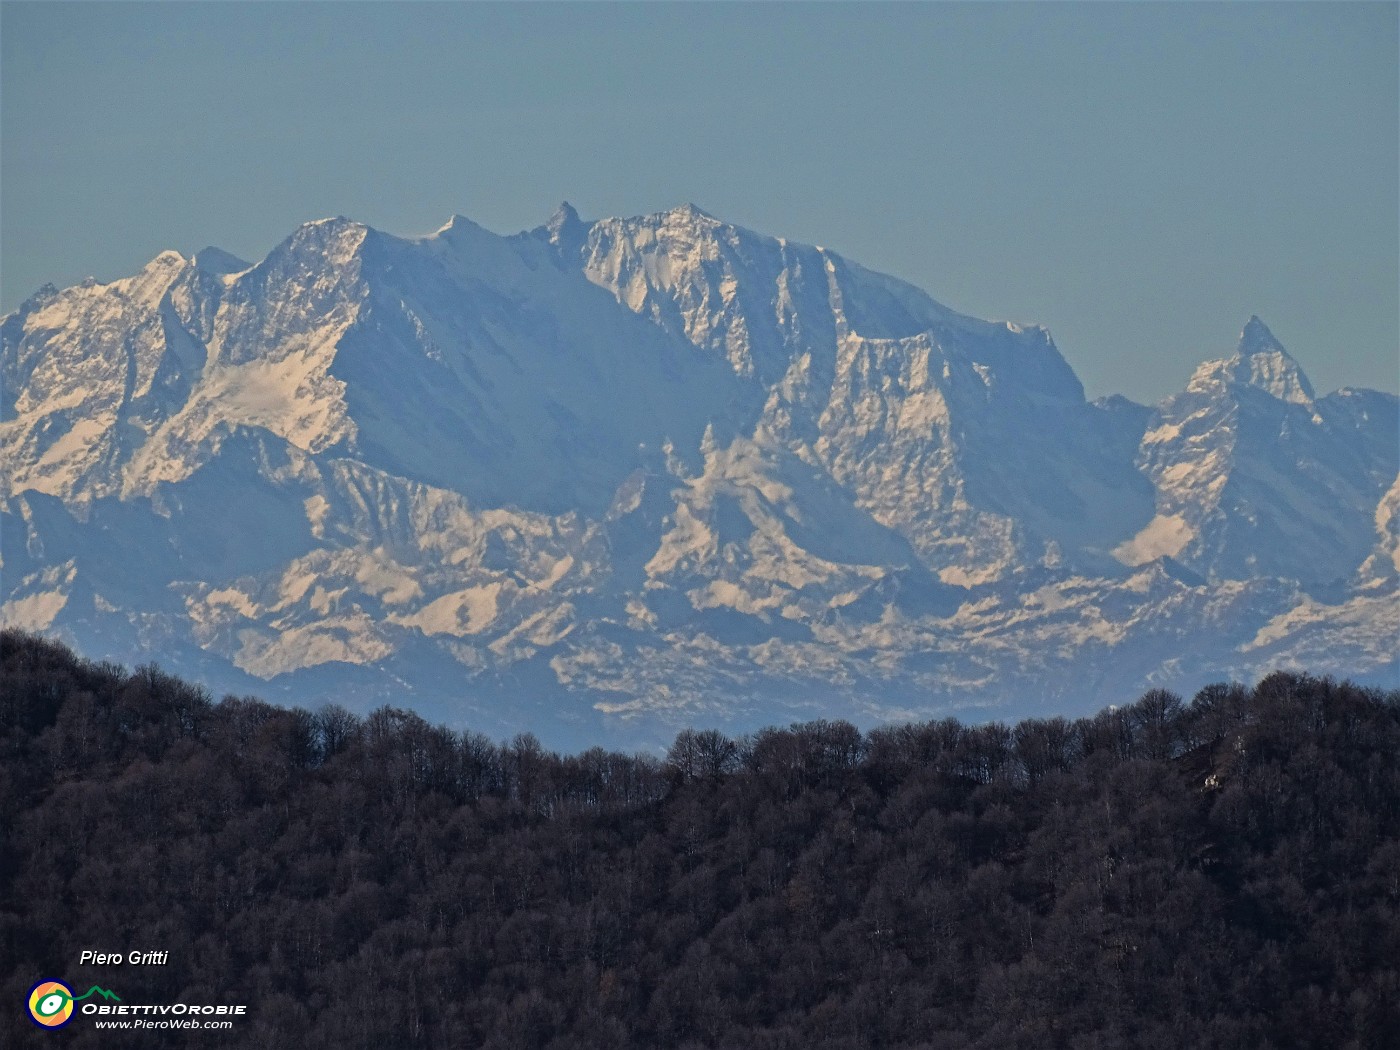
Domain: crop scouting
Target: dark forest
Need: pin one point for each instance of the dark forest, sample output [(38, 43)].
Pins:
[(1223, 872)]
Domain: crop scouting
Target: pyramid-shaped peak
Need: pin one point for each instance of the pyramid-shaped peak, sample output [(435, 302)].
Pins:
[(458, 224), (1256, 338), (217, 261), (564, 224), (565, 230), (564, 215), (1261, 361), (334, 241)]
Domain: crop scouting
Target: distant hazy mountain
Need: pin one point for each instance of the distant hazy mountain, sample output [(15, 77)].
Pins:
[(600, 479)]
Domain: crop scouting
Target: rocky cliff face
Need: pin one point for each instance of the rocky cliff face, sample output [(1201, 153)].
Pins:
[(605, 478)]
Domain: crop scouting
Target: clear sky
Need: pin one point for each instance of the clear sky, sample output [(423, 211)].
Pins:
[(1140, 178)]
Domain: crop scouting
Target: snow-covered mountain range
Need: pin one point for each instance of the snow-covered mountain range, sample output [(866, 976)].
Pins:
[(602, 479)]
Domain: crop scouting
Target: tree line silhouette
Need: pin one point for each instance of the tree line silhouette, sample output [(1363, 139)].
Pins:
[(1218, 873)]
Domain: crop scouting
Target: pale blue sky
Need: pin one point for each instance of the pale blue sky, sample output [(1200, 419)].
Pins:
[(1140, 178)]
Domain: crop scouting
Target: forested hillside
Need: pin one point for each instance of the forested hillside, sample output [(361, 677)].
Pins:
[(1218, 873)]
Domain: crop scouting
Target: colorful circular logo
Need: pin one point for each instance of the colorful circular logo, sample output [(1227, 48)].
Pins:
[(51, 1004)]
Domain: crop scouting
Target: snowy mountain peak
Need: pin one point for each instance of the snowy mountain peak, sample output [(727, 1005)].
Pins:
[(1255, 477), (326, 242), (46, 293), (1255, 337), (690, 212), (462, 234), (166, 262), (565, 230), (336, 228), (564, 215), (1261, 361)]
